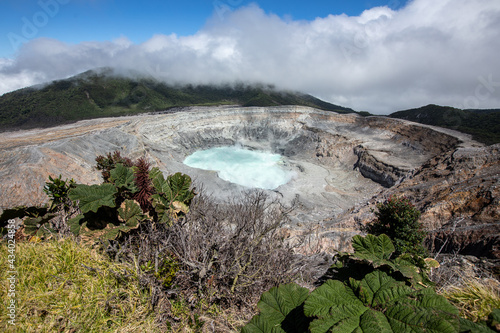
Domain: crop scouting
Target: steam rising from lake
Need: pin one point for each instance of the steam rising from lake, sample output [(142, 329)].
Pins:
[(245, 167)]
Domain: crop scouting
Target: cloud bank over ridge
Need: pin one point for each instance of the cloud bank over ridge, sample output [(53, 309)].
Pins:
[(443, 52)]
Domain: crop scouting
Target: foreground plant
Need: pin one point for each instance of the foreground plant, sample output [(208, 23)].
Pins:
[(475, 298), (131, 194), (398, 219), (377, 294), (68, 287)]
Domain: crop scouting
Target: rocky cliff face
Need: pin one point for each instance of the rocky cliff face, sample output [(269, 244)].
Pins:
[(458, 193), (343, 164), (383, 173), (460, 203)]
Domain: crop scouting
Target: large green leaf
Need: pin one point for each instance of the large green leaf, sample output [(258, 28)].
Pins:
[(162, 208), (384, 305), (123, 178), (160, 184), (377, 251), (373, 248), (179, 185), (416, 275), (281, 310), (259, 325), (94, 196), (155, 172), (378, 289), (468, 326), (410, 310), (130, 213), (406, 318), (334, 304), (375, 300), (373, 321), (75, 224), (173, 195)]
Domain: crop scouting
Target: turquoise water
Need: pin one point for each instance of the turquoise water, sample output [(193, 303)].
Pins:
[(242, 166)]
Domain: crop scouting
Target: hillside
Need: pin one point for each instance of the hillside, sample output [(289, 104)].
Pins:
[(483, 125), (101, 93)]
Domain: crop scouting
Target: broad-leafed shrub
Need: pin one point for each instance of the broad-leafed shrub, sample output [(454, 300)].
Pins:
[(386, 295), (132, 193)]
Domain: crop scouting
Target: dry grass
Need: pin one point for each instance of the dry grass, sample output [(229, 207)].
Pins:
[(65, 286), (474, 297)]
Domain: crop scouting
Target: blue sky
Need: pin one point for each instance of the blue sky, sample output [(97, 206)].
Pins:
[(75, 21), (370, 55)]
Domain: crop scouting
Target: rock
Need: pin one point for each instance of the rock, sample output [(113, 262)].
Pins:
[(458, 194), (385, 174), (343, 163), (455, 269)]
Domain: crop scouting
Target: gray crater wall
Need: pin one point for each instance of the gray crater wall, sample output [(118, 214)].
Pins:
[(338, 160)]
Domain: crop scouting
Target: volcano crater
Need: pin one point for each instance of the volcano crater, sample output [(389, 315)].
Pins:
[(338, 160)]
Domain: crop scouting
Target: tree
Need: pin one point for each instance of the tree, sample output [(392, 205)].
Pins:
[(398, 219)]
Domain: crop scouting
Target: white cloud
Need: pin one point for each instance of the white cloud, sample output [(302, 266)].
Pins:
[(443, 52)]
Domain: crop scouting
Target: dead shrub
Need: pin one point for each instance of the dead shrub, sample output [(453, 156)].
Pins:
[(225, 254)]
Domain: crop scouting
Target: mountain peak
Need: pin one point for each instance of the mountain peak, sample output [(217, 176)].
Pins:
[(107, 92)]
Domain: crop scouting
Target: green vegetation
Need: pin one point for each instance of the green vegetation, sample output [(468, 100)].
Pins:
[(131, 194), (57, 190), (102, 93), (475, 298), (370, 292), (483, 125), (142, 252), (68, 287), (398, 219)]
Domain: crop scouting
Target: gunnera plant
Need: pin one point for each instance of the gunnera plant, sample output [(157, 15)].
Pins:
[(130, 195), (378, 294), (106, 163)]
